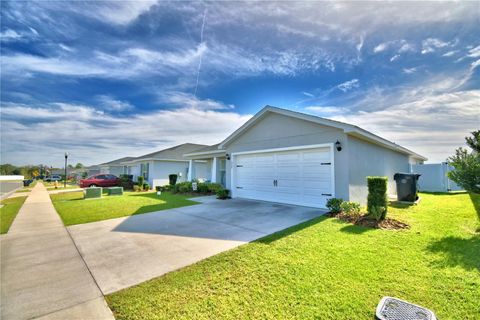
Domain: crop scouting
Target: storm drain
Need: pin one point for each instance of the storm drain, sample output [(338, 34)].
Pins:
[(395, 309)]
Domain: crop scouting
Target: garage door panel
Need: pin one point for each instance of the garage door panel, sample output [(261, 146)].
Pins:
[(302, 176)]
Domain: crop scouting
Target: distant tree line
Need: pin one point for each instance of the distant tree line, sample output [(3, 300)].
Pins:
[(31, 171)]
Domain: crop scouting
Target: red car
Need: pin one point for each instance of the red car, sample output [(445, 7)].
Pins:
[(100, 180)]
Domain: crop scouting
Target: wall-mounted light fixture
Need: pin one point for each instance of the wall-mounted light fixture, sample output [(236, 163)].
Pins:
[(338, 146), (227, 156)]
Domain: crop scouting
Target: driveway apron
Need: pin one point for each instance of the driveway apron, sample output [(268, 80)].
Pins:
[(42, 273)]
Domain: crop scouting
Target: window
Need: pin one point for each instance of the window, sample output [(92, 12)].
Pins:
[(144, 170), (101, 177)]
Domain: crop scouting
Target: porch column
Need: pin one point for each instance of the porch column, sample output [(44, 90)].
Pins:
[(214, 170), (190, 169)]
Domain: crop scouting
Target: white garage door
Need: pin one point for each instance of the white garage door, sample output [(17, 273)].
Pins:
[(302, 177)]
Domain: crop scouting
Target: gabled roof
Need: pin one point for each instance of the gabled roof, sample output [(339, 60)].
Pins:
[(174, 153), (116, 162), (347, 128), (206, 150)]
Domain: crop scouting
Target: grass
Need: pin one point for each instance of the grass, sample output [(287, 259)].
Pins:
[(74, 210), (9, 211), (329, 269), (23, 190), (60, 187)]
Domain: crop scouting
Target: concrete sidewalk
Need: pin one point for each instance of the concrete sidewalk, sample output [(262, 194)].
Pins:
[(42, 273)]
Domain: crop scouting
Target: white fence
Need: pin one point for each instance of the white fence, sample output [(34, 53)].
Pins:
[(434, 177), (10, 178)]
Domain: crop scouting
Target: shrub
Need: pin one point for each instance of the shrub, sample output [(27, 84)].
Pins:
[(214, 187), (351, 209), (125, 177), (127, 185), (377, 197), (333, 204), (376, 212), (137, 188), (140, 180), (223, 194), (146, 186), (202, 187), (172, 179), (182, 187)]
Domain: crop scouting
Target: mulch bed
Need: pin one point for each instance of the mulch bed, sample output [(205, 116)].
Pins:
[(365, 221)]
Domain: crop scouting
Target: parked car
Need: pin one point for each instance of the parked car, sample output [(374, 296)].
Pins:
[(100, 180), (53, 177)]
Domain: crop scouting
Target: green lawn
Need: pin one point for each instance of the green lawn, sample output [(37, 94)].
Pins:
[(60, 187), (9, 211), (74, 210), (329, 269)]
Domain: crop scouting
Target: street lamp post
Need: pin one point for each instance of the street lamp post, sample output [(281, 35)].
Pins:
[(65, 180)]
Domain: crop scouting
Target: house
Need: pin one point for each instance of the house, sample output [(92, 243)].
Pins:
[(290, 157), (155, 167), (115, 167)]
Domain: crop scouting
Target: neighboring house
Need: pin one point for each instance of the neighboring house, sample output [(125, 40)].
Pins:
[(116, 167), (290, 157), (155, 167)]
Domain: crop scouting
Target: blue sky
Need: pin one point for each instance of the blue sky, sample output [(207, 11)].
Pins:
[(103, 80)]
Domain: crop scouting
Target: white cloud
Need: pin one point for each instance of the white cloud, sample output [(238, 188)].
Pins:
[(395, 57), (450, 53), (381, 47), (92, 137), (326, 111), (348, 85), (66, 48), (431, 44), (185, 100), (474, 52), (109, 103), (409, 70), (308, 94), (10, 35), (115, 12)]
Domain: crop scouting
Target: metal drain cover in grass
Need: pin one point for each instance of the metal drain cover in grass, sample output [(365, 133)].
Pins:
[(395, 309)]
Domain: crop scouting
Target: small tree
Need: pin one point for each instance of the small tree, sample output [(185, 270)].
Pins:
[(467, 165), (377, 200), (141, 181)]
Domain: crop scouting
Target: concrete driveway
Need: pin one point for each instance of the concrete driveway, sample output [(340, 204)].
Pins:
[(126, 251)]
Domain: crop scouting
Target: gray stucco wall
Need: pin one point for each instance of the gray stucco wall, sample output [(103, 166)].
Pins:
[(279, 131), (160, 170), (367, 159)]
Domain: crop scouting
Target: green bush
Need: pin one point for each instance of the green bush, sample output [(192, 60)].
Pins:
[(214, 187), (146, 186), (377, 201), (376, 212), (223, 194), (172, 179), (140, 181), (202, 187), (351, 208), (137, 188), (333, 204), (182, 187)]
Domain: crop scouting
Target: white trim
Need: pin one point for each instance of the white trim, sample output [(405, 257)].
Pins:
[(347, 128), (213, 177), (152, 159), (190, 168), (204, 153), (331, 147), (311, 146)]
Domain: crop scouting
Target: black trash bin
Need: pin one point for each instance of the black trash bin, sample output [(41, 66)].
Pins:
[(26, 183), (407, 186)]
